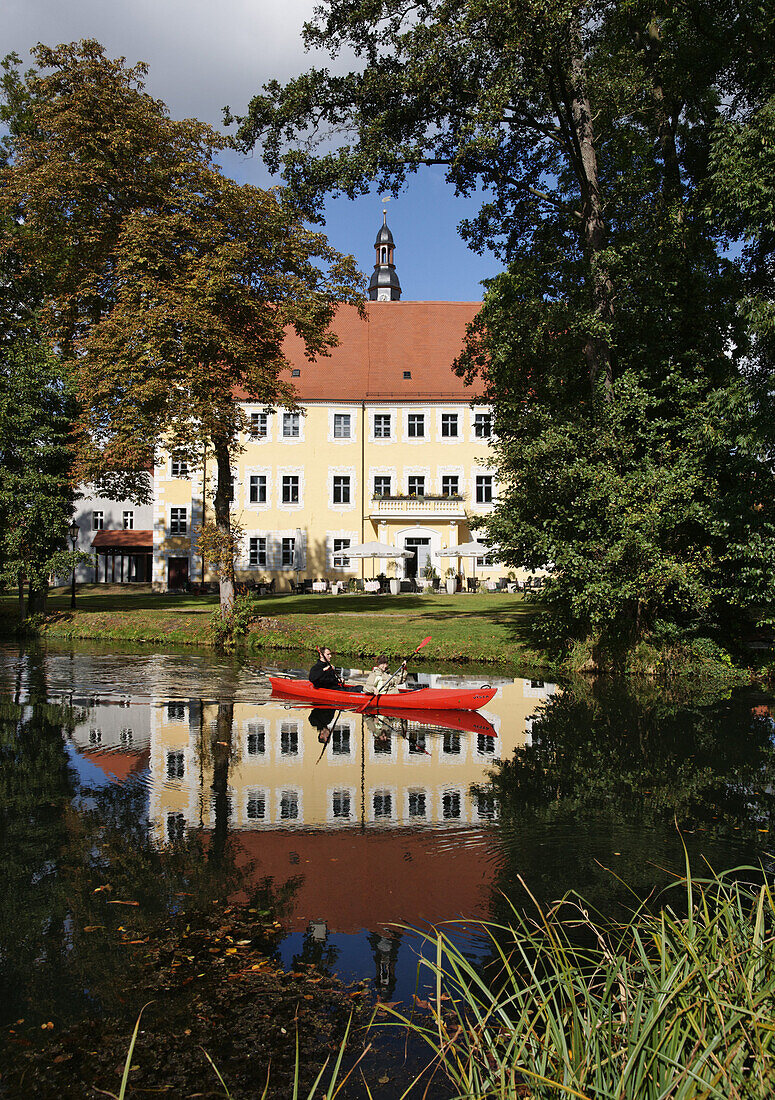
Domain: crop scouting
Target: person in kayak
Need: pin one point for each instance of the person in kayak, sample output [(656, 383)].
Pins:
[(380, 679), (323, 674), (322, 720)]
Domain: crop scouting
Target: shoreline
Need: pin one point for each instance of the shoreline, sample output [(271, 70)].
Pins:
[(479, 629)]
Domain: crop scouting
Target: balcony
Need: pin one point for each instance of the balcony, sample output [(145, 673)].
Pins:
[(425, 507)]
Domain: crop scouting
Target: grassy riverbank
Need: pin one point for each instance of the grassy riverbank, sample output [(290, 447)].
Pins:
[(481, 627)]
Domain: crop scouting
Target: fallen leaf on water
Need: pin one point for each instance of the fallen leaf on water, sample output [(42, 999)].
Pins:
[(421, 1003), (115, 901), (383, 1080), (93, 927)]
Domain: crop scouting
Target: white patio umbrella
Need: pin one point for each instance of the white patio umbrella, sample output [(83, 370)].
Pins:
[(378, 550), (466, 550)]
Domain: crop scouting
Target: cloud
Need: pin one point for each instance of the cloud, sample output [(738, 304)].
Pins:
[(203, 54)]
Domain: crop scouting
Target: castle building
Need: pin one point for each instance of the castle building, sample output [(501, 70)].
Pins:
[(386, 445)]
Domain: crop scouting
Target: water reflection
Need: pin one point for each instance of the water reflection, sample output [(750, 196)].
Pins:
[(177, 782)]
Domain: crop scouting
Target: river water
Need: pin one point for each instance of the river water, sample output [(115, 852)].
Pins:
[(126, 772)]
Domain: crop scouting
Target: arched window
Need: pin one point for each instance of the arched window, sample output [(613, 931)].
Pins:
[(383, 255)]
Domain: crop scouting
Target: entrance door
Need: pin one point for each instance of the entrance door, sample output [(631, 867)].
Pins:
[(414, 566), (177, 576)]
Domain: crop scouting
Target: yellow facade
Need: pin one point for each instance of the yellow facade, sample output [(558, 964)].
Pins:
[(379, 774), (308, 484)]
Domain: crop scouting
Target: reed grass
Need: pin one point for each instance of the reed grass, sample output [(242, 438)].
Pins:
[(674, 1003)]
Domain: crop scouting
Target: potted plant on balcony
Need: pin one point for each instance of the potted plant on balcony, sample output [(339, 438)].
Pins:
[(395, 583), (451, 582)]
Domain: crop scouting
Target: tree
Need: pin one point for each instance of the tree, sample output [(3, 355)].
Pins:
[(169, 287), (37, 413), (633, 450)]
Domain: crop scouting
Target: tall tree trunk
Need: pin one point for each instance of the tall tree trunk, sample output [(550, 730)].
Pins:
[(21, 595), (37, 599), (221, 748), (597, 349), (223, 523)]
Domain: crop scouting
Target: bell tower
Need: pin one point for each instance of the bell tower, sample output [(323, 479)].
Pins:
[(384, 285)]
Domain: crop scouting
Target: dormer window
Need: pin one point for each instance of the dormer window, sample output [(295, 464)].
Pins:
[(407, 374)]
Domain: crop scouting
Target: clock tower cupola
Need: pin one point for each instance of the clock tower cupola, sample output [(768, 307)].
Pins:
[(384, 285)]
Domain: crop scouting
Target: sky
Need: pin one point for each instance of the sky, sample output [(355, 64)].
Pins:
[(205, 54)]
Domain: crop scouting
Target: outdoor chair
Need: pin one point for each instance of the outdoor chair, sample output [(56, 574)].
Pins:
[(472, 584)]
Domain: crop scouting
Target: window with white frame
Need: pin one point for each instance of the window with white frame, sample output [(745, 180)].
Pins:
[(382, 425), (485, 746), (340, 804), (257, 488), (289, 805), (486, 559), (176, 712), (178, 466), (415, 425), (259, 425), (418, 803), (176, 765), (255, 808), (340, 740), (129, 521), (482, 425), (451, 805), (341, 561), (341, 489), (290, 489), (450, 485), (341, 425), (288, 552), (451, 744), (484, 488), (291, 425), (382, 485), (178, 521), (382, 803), (176, 827), (97, 521), (256, 742), (416, 485), (257, 552), (449, 425), (289, 739)]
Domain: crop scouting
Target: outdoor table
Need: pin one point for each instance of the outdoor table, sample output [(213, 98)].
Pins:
[(371, 586), (320, 586)]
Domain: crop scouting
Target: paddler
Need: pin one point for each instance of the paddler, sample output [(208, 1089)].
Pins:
[(323, 674), (380, 678)]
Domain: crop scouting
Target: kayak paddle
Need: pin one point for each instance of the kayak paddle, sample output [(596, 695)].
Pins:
[(375, 697)]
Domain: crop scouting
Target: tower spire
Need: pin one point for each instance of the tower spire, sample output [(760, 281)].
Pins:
[(384, 285)]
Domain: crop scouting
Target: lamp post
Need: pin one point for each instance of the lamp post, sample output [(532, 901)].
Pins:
[(72, 531)]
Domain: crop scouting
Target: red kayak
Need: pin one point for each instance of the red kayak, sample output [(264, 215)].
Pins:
[(467, 721), (422, 699)]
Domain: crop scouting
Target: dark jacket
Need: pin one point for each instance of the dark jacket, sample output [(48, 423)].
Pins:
[(322, 675), (320, 718)]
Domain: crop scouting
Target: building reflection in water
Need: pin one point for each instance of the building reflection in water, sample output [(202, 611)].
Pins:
[(384, 825)]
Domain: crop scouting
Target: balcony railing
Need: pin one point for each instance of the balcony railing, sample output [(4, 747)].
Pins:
[(450, 507)]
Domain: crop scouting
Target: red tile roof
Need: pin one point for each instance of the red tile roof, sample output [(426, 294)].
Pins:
[(423, 338), (118, 765), (123, 540)]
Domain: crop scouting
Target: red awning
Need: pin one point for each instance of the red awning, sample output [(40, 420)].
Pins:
[(128, 541)]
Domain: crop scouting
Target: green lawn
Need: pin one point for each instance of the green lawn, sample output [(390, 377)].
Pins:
[(489, 627)]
